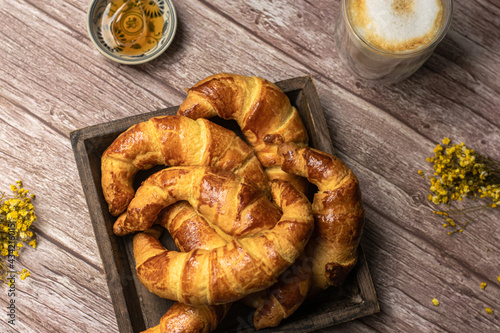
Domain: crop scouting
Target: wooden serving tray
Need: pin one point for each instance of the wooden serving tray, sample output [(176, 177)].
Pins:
[(135, 307)]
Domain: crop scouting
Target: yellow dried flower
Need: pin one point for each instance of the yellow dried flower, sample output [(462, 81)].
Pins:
[(483, 285), (489, 310), (25, 273), (12, 215), (435, 302), (459, 173), (17, 214)]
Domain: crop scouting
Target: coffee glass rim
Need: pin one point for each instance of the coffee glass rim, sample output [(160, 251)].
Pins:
[(431, 45)]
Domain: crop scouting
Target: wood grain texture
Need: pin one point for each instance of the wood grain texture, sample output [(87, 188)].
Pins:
[(53, 81)]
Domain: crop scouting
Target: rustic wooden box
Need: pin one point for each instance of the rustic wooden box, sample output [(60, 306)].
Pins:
[(136, 308)]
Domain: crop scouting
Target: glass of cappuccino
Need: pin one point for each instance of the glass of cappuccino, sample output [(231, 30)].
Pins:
[(385, 41)]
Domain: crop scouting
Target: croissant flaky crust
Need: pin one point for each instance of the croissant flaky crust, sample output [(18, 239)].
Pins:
[(172, 141), (261, 109), (338, 212), (244, 265)]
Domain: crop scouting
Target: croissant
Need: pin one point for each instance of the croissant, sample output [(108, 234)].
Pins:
[(190, 231), (261, 109), (172, 140), (183, 318), (338, 213), (244, 265)]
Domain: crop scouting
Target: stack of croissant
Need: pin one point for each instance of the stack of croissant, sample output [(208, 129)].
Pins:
[(236, 210)]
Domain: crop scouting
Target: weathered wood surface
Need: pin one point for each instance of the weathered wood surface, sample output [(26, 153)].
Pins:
[(53, 80)]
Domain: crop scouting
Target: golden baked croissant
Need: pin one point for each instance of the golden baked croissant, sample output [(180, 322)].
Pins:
[(261, 109), (338, 213), (243, 266), (183, 318), (172, 140), (190, 231), (332, 250)]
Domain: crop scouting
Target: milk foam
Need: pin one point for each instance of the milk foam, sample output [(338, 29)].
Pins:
[(396, 26)]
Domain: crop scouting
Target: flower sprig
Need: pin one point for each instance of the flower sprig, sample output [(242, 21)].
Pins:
[(459, 173), (17, 215)]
